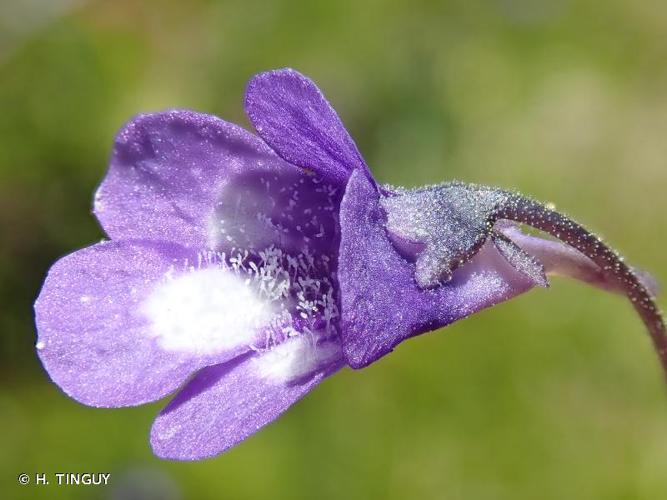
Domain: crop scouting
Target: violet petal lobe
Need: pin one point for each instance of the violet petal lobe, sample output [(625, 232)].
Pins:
[(225, 404), (381, 303), (292, 115), (123, 323), (166, 172)]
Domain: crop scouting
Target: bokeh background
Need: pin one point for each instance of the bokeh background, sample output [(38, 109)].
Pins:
[(554, 395)]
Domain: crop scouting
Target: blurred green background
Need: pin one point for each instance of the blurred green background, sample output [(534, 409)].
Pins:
[(554, 395)]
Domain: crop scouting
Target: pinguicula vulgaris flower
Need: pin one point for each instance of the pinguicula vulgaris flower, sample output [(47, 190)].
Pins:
[(242, 270)]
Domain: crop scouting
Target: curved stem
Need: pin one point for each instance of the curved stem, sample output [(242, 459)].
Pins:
[(526, 211)]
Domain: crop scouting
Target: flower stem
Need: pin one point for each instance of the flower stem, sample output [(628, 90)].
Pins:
[(526, 211)]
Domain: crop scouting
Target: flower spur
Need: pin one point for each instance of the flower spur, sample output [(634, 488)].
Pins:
[(243, 270)]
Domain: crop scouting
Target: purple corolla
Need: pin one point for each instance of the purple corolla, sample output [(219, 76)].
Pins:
[(240, 271)]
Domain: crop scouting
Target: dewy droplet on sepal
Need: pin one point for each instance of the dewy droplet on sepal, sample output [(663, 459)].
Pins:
[(241, 270)]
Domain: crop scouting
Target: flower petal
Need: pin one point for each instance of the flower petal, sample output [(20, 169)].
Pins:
[(225, 404), (292, 115), (282, 206), (563, 260), (124, 323), (166, 173), (381, 303)]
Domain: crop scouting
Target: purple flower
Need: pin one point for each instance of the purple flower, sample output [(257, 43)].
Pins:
[(243, 270)]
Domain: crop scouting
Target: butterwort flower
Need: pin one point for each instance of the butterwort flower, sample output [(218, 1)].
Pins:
[(242, 270)]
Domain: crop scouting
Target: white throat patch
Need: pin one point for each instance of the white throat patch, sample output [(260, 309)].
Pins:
[(206, 311), (296, 358)]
